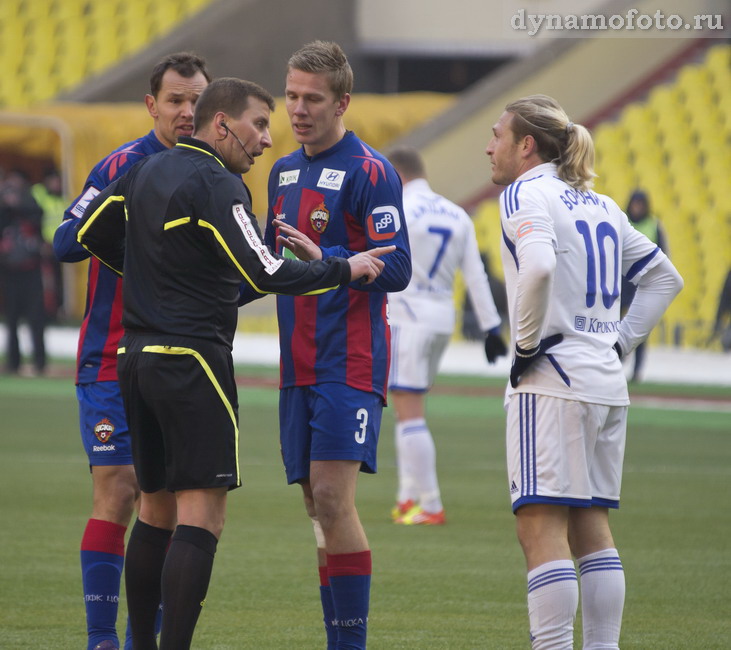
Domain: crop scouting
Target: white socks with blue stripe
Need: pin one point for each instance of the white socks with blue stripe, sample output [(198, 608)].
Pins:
[(602, 599), (553, 597)]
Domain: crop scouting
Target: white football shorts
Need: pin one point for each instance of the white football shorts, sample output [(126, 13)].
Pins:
[(415, 356), (564, 452)]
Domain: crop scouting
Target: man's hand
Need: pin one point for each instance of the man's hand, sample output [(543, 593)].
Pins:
[(494, 345), (367, 266), (525, 358), (299, 243)]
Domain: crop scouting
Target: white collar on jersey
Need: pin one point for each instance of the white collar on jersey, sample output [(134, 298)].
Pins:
[(538, 170)]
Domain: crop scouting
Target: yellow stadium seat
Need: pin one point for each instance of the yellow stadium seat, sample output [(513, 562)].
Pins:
[(162, 16), (718, 194), (134, 25), (663, 99), (640, 125), (693, 80), (99, 33), (13, 92), (9, 9), (12, 52), (64, 10), (718, 61)]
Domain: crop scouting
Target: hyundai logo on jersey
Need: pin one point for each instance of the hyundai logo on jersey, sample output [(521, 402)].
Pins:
[(331, 179)]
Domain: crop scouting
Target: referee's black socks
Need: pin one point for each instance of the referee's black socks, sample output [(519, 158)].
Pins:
[(185, 579), (143, 570)]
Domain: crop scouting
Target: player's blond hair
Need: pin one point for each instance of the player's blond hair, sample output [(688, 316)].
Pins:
[(325, 57), (557, 138)]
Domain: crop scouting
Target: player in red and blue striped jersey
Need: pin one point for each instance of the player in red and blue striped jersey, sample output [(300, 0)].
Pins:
[(335, 196), (175, 84)]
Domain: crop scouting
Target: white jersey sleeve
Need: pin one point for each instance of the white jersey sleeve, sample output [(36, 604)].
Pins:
[(476, 280), (442, 240), (657, 288), (564, 252)]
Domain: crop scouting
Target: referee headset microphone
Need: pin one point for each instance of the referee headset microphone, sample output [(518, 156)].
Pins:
[(248, 155)]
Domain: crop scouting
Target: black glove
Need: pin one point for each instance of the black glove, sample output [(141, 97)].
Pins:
[(494, 345), (524, 358), (618, 350)]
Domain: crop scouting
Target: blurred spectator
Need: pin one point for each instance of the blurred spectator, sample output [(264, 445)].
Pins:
[(640, 216), (722, 324), (48, 195), (21, 246)]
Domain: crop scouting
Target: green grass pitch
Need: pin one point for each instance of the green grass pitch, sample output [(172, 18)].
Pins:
[(460, 586)]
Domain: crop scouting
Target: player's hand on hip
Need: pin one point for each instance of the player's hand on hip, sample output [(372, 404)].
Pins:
[(367, 266), (523, 359), (299, 243)]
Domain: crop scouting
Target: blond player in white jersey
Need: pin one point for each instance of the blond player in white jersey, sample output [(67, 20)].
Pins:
[(565, 249), (422, 318)]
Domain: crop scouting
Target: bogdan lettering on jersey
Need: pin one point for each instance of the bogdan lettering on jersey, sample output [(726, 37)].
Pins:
[(346, 199), (101, 328)]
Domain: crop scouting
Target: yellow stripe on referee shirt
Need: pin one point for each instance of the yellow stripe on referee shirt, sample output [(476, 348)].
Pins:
[(92, 218), (224, 245), (177, 222)]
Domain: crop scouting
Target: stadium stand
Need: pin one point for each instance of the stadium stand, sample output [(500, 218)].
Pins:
[(48, 46)]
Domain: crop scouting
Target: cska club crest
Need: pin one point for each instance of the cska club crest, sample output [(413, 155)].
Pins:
[(319, 218), (103, 430)]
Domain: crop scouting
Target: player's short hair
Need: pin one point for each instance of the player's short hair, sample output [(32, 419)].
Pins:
[(408, 162), (229, 95), (186, 64), (557, 138), (328, 57)]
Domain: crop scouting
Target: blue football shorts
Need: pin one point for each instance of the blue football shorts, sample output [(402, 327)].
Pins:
[(329, 421), (103, 424)]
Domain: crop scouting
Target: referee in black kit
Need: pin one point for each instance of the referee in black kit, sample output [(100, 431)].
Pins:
[(179, 229)]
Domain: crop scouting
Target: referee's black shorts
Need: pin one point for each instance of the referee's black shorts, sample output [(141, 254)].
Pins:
[(182, 410)]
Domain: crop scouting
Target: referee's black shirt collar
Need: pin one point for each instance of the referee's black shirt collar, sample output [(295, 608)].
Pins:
[(187, 141)]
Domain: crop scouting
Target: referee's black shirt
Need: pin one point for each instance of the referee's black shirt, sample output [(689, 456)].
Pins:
[(179, 227)]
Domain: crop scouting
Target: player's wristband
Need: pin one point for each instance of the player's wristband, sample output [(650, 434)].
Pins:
[(526, 354), (524, 358)]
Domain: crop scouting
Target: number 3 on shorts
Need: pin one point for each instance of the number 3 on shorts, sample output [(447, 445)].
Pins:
[(362, 416)]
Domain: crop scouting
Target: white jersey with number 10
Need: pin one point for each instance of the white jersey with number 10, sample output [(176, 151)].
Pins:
[(594, 245)]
